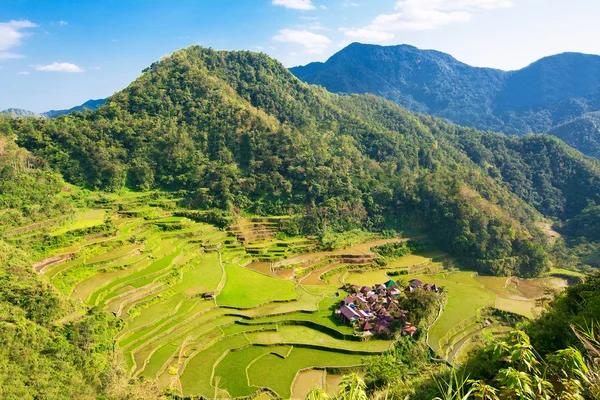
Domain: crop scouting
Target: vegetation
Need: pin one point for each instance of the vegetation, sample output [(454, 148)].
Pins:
[(556, 95), (127, 234), (238, 132)]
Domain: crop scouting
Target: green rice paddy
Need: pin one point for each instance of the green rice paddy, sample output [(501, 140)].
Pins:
[(202, 316)]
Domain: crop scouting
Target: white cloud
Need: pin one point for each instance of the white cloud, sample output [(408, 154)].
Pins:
[(313, 43), (23, 72), (59, 67), (10, 36), (295, 4), (368, 35), (63, 23), (350, 5), (6, 55), (97, 68), (421, 15), (259, 48)]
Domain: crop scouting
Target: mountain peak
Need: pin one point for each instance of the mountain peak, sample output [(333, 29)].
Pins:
[(544, 94)]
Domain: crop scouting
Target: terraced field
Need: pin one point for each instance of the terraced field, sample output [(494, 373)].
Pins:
[(205, 309), (230, 313)]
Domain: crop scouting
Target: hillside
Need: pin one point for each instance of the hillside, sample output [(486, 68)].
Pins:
[(547, 93), (582, 133), (239, 132)]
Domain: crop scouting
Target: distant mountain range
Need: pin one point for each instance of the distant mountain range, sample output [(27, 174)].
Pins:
[(555, 94), (88, 105), (19, 112)]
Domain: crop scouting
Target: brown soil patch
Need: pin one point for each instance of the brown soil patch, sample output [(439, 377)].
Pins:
[(41, 266)]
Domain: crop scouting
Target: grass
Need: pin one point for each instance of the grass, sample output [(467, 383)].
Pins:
[(372, 277), (562, 271), (278, 373), (465, 297), (521, 307), (239, 328), (83, 220), (203, 276), (186, 310), (110, 290), (408, 260), (246, 288), (231, 370), (324, 316), (194, 330), (90, 289), (196, 379), (153, 313), (112, 254), (301, 335), (305, 302)]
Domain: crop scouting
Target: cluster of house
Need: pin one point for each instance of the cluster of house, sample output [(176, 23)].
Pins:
[(376, 309), (417, 284)]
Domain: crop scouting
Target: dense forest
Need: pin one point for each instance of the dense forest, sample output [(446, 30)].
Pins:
[(238, 131), (556, 95)]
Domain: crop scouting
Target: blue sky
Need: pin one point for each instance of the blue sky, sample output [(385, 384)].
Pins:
[(57, 54)]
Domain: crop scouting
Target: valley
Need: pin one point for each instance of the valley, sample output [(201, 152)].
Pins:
[(205, 233), (207, 311)]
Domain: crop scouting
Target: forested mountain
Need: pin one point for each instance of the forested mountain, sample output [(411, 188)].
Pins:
[(582, 133), (88, 105), (545, 94), (239, 132)]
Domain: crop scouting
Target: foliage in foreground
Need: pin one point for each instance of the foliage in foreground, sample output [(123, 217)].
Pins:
[(524, 374)]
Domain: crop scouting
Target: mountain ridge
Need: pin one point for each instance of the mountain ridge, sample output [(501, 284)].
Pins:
[(91, 105), (548, 92), (19, 112)]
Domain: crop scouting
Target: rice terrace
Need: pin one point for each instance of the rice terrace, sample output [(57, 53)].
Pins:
[(234, 308)]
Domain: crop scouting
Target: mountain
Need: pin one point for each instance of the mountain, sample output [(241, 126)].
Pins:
[(545, 94), (237, 131), (88, 105), (19, 112), (582, 133)]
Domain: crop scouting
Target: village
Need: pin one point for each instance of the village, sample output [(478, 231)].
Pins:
[(376, 310)]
